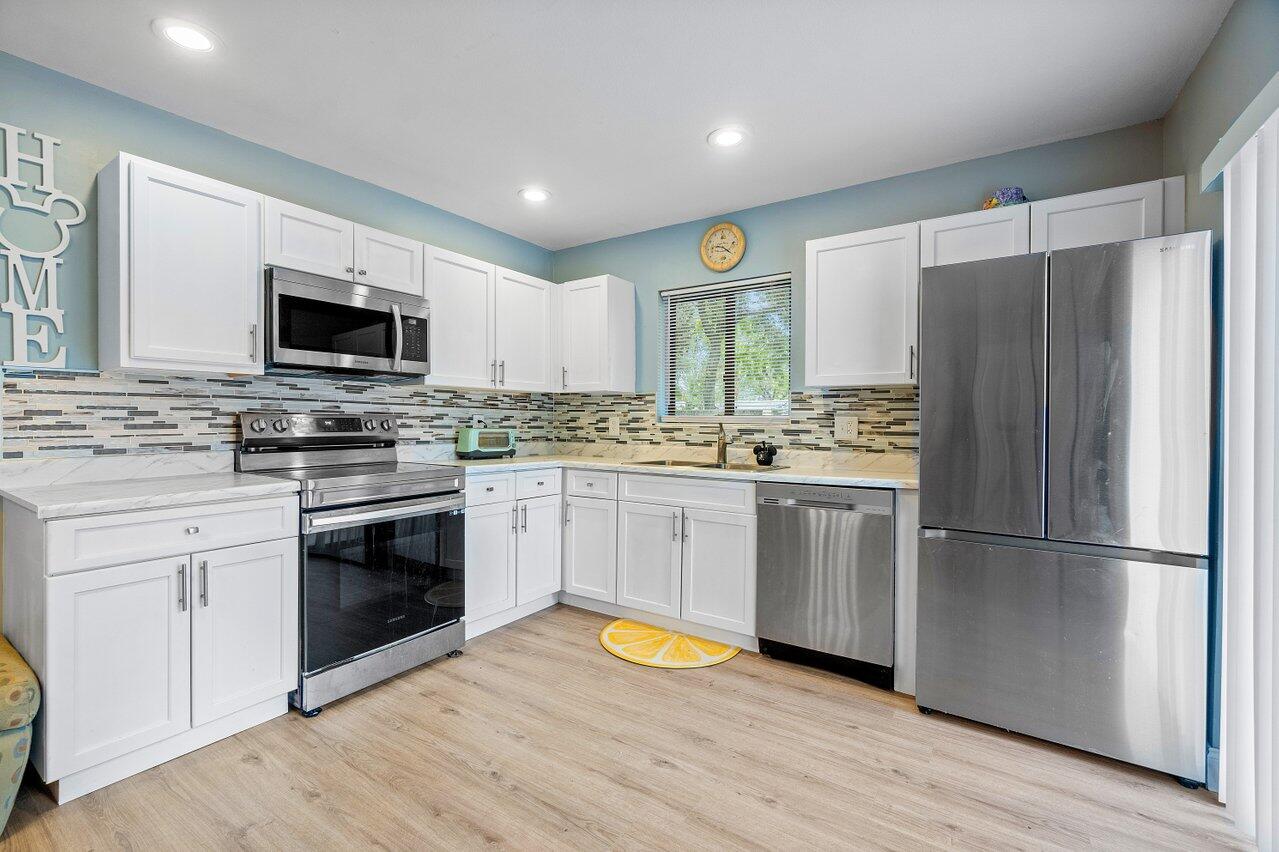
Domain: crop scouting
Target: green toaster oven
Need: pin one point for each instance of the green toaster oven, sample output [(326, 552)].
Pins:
[(474, 443)]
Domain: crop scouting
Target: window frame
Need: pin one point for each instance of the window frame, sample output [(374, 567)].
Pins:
[(667, 385)]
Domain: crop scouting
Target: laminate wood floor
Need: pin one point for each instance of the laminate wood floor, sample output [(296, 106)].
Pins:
[(538, 739)]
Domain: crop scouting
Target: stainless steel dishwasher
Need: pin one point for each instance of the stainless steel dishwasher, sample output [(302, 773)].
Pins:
[(825, 577)]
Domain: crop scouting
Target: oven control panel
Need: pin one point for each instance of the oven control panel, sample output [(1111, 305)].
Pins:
[(273, 426)]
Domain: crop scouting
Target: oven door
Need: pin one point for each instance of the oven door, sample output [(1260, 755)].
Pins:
[(376, 575), (332, 325)]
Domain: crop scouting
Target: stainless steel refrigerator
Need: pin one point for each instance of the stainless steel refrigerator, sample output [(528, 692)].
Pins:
[(1064, 496)]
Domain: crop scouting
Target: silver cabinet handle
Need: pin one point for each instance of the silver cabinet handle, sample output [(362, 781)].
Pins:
[(361, 272), (489, 488), (568, 514), (192, 530), (515, 518), (540, 482), (182, 587), (912, 360), (501, 366), (253, 343), (683, 527), (675, 516), (493, 370), (204, 584), (524, 517), (590, 484), (564, 378), (350, 269)]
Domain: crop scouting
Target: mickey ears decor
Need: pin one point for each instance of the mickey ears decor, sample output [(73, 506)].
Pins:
[(35, 229), (1005, 197)]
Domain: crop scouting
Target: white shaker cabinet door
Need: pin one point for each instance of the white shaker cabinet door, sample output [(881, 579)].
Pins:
[(648, 557), (195, 271), (118, 669), (523, 331), (388, 261), (537, 562), (861, 308), (583, 335), (244, 627), (719, 570), (590, 548), (1105, 216), (309, 241), (979, 235), (490, 559), (461, 291)]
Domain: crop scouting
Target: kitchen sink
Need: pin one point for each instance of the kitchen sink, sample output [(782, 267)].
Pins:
[(740, 466), (672, 463)]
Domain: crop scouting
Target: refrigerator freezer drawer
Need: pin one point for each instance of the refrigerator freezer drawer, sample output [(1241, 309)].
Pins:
[(1103, 654)]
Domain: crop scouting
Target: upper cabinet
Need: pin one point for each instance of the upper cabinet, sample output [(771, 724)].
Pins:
[(597, 336), (861, 303), (980, 235), (1105, 216), (180, 271), (522, 330), (310, 241)]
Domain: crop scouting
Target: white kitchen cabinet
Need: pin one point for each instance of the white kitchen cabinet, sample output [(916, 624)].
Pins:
[(490, 559), (597, 336), (522, 331), (180, 268), (308, 240), (244, 617), (649, 551), (461, 291), (388, 261), (979, 235), (719, 570), (118, 672), (1105, 216), (590, 548), (537, 550), (861, 303)]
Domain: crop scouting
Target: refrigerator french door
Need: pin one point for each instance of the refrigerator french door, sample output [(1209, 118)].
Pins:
[(1064, 464)]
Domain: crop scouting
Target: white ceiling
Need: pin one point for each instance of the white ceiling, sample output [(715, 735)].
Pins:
[(608, 102)]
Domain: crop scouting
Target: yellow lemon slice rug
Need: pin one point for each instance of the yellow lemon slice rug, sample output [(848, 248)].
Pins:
[(646, 645)]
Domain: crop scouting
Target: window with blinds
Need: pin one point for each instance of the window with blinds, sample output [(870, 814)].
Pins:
[(728, 349)]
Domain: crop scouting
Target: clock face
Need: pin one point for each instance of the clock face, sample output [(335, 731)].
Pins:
[(723, 246)]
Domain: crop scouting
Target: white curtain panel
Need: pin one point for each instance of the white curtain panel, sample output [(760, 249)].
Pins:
[(1250, 687)]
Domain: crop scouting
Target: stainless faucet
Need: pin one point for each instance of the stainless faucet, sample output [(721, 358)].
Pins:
[(721, 446)]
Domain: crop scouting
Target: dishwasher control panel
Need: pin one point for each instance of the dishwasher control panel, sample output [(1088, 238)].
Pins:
[(874, 500)]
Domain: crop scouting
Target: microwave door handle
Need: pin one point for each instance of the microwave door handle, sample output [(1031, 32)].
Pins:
[(398, 320)]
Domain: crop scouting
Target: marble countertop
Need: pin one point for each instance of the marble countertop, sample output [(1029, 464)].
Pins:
[(98, 498), (831, 473)]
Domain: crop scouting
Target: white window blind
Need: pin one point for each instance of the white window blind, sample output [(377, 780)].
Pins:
[(728, 349)]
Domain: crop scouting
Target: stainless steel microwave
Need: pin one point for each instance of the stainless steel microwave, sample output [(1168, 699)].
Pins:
[(318, 324)]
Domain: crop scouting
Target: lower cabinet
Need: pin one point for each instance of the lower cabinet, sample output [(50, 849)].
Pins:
[(141, 652), (512, 556), (590, 548), (693, 564)]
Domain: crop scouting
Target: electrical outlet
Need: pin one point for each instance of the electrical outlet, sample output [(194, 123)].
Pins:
[(614, 426), (845, 427)]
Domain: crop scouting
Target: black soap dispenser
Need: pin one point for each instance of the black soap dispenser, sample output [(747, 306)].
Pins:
[(764, 453)]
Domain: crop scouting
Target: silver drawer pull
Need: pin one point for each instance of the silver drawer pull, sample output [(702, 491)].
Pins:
[(490, 488), (182, 586), (204, 583), (540, 482), (590, 484), (192, 530)]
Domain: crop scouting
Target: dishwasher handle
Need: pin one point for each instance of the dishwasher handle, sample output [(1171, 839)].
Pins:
[(796, 503)]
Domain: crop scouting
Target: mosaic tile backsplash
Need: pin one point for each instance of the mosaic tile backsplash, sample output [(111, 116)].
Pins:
[(63, 414)]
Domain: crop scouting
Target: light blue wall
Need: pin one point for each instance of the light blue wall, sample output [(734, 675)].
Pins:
[(775, 233), (95, 124)]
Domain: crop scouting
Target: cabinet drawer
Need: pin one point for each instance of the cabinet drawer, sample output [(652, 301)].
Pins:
[(725, 495), (75, 544), (489, 488), (537, 483), (591, 483)]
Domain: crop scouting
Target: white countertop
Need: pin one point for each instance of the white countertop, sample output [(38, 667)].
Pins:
[(832, 473), (97, 498)]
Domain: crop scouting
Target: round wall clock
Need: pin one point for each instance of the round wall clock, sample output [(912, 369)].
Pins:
[(723, 246)]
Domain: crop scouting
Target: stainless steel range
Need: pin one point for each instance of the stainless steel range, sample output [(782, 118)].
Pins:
[(382, 548)]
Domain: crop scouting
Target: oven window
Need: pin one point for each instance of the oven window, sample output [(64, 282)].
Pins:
[(369, 586), (315, 326)]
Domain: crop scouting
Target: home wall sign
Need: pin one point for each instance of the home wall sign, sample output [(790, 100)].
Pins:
[(35, 229)]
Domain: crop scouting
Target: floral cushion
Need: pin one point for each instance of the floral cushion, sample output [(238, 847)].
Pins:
[(19, 690)]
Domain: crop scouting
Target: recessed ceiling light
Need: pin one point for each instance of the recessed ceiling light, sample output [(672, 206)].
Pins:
[(726, 137), (185, 34), (534, 193)]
